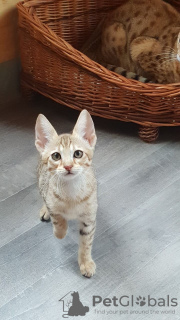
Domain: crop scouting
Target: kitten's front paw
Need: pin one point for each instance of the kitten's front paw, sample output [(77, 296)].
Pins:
[(60, 234), (60, 227), (44, 214), (88, 268)]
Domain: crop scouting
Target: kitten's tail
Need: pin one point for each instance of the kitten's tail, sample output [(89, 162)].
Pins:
[(127, 74)]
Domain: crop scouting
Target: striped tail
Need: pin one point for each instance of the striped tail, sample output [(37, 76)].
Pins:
[(127, 74)]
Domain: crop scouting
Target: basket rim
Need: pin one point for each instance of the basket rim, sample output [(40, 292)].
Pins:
[(148, 89)]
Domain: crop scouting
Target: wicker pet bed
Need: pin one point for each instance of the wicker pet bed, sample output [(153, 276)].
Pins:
[(51, 32)]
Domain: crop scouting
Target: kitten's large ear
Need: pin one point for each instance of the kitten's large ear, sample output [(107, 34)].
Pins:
[(44, 132), (84, 128)]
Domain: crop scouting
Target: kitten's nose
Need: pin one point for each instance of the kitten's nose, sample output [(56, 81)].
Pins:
[(68, 168)]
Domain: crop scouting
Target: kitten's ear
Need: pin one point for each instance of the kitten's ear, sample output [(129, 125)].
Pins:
[(84, 128), (44, 132)]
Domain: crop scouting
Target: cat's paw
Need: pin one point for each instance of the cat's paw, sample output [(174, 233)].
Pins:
[(60, 233), (88, 268), (60, 227), (44, 214)]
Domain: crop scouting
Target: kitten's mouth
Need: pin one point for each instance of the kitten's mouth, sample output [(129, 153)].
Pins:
[(69, 173)]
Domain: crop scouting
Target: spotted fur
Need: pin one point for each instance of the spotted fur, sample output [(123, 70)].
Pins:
[(142, 37), (68, 185)]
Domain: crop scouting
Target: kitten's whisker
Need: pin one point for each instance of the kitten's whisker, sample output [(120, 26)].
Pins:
[(170, 48), (164, 54), (168, 57), (165, 60), (167, 51), (169, 54), (165, 57), (169, 60)]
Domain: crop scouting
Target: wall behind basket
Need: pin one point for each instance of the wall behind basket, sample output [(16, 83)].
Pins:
[(9, 61)]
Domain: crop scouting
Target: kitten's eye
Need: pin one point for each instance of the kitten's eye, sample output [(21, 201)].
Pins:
[(78, 154), (56, 156)]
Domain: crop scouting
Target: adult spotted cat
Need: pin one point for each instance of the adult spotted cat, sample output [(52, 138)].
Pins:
[(141, 36)]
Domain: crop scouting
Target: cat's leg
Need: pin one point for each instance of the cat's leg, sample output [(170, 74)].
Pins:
[(114, 41), (60, 225), (146, 53), (44, 214), (86, 264)]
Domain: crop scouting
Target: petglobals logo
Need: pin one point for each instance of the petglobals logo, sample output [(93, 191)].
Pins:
[(72, 305), (132, 301)]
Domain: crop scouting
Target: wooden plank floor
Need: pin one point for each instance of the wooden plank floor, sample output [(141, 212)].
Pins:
[(137, 241)]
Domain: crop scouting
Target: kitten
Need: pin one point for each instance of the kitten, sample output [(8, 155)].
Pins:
[(141, 36), (67, 182)]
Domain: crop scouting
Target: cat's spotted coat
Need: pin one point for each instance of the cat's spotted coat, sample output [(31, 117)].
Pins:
[(141, 36)]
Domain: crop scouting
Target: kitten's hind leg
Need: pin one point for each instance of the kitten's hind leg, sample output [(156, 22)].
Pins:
[(86, 263), (44, 214)]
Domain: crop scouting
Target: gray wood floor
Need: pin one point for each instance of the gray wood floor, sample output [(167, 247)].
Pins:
[(137, 242)]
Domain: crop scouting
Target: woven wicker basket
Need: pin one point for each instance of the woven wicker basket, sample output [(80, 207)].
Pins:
[(52, 31)]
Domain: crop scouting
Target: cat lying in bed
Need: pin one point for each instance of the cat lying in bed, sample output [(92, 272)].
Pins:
[(140, 36)]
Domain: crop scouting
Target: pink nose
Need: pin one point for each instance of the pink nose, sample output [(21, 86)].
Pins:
[(68, 168)]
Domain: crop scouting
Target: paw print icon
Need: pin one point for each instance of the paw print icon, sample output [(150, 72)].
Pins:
[(141, 301)]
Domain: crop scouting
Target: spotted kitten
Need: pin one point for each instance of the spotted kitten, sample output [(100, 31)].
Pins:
[(141, 36), (67, 182)]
